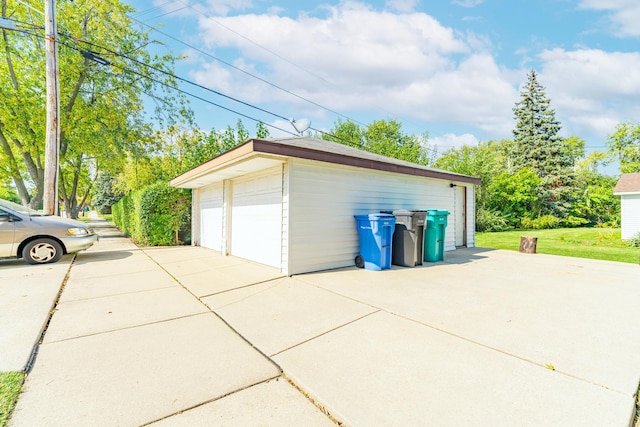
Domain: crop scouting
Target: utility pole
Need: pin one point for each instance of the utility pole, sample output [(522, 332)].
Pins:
[(52, 140)]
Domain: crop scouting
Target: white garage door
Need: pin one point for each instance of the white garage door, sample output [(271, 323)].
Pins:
[(257, 218), (211, 217)]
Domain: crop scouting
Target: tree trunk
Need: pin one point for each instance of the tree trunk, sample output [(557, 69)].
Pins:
[(528, 244)]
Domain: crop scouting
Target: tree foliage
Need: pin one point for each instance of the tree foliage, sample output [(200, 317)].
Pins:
[(177, 150), (538, 146), (384, 137), (105, 193), (624, 145), (102, 114)]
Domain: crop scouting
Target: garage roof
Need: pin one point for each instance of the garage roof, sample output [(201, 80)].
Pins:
[(629, 183), (257, 154)]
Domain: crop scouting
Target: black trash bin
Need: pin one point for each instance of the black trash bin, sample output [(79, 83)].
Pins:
[(408, 237)]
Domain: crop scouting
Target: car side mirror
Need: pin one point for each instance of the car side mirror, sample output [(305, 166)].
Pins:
[(9, 218)]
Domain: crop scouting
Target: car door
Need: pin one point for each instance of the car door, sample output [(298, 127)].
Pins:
[(7, 233)]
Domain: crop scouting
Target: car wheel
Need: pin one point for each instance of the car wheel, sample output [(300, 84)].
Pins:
[(42, 251), (359, 261)]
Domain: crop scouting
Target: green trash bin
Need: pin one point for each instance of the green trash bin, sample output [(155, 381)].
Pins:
[(434, 234)]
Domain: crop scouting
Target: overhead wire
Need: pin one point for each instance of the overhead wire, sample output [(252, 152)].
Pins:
[(93, 55), (172, 75), (263, 80), (272, 52)]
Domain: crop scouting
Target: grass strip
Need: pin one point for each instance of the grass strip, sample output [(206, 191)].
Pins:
[(10, 386), (593, 243)]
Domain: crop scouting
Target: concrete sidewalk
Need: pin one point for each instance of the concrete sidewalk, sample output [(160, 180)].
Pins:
[(128, 345), (27, 296), (183, 336)]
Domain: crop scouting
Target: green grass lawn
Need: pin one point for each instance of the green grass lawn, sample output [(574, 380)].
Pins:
[(10, 385), (594, 243)]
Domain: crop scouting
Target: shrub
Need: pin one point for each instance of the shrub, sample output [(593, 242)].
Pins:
[(540, 223), (573, 221), (156, 215), (634, 242), (488, 220)]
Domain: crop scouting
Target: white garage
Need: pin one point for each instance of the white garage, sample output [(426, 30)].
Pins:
[(290, 203), (628, 188)]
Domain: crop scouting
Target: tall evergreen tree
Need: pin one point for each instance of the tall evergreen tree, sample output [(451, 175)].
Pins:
[(538, 146)]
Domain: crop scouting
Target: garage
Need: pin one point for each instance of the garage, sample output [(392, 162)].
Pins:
[(210, 209), (256, 217), (289, 203)]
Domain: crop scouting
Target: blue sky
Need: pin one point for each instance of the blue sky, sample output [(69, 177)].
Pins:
[(452, 68)]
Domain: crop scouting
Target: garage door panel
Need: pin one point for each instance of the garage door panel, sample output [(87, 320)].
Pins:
[(211, 217), (257, 219)]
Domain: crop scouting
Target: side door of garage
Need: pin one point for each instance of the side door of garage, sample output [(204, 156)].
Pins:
[(256, 217), (211, 198)]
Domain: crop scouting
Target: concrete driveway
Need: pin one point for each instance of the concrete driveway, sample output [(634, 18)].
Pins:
[(183, 336)]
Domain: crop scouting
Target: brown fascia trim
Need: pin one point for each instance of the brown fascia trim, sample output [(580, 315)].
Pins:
[(269, 147)]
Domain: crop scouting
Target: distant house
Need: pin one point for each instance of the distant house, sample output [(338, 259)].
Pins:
[(289, 203), (628, 188)]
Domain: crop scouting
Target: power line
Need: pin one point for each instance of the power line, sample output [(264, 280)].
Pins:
[(247, 72), (213, 91), (254, 42), (96, 58), (183, 79), (160, 82)]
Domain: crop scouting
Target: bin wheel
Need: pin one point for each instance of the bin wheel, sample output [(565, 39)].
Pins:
[(359, 261)]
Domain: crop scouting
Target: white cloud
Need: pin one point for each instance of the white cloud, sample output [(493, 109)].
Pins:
[(415, 68), (592, 90), (450, 140), (194, 8), (467, 3), (624, 15), (402, 5)]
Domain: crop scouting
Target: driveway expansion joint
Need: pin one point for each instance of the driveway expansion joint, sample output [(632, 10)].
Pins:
[(126, 328), (243, 287), (326, 332), (206, 402), (34, 352)]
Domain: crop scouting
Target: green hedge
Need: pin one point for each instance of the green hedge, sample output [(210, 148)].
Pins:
[(157, 215)]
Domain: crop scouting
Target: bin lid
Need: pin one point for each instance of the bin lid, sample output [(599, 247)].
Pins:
[(437, 212), (402, 212), (374, 216)]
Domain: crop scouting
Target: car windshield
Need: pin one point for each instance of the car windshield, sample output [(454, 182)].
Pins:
[(19, 208)]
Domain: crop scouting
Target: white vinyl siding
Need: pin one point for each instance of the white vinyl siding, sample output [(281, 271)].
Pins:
[(284, 266), (256, 217), (458, 216), (630, 215), (471, 216), (323, 199), (210, 216)]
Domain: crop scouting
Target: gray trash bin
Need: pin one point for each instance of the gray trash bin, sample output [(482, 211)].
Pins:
[(408, 237)]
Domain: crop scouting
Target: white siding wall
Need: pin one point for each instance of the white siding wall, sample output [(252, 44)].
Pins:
[(630, 215), (459, 215), (285, 218), (324, 198), (471, 216)]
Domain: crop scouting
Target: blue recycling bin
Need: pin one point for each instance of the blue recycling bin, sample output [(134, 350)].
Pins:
[(376, 235)]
